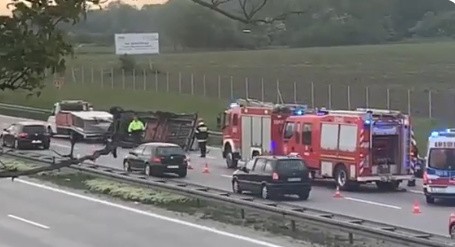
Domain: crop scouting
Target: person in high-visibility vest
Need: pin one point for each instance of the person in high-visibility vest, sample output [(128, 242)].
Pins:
[(135, 129)]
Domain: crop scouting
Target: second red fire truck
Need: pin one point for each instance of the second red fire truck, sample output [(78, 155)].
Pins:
[(352, 147)]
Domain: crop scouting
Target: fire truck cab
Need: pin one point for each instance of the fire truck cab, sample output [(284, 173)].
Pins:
[(439, 172), (250, 126), (353, 147)]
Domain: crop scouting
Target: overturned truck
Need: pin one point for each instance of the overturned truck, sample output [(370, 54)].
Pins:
[(159, 127)]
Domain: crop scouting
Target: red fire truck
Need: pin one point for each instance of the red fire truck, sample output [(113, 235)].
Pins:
[(353, 147), (250, 126)]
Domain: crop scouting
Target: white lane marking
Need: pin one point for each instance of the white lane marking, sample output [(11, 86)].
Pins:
[(149, 214), (226, 176), (60, 145), (372, 203), (416, 192), (210, 157), (28, 221)]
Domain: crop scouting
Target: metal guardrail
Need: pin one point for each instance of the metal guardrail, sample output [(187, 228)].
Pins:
[(351, 225)]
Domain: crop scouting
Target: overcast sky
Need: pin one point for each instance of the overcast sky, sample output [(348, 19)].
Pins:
[(3, 9)]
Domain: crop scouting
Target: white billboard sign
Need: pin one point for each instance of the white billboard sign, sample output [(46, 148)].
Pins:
[(136, 43)]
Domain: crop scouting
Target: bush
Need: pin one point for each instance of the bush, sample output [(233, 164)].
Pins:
[(127, 63)]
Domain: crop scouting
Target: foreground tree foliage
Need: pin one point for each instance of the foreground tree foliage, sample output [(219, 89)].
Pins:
[(32, 45)]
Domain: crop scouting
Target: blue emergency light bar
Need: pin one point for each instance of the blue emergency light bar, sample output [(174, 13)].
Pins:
[(446, 133)]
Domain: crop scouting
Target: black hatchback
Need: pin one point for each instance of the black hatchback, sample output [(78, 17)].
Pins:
[(157, 158), (26, 135), (273, 176)]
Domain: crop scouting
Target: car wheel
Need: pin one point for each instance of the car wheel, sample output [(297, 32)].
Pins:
[(17, 145), (304, 195), (230, 161), (46, 145), (429, 199), (126, 166), (182, 173), (236, 187), (148, 170), (265, 193)]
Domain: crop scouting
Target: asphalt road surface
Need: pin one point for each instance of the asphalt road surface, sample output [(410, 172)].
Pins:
[(40, 216), (388, 207)]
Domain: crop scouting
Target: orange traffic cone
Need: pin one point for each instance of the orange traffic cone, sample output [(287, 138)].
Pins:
[(416, 208), (337, 193), (206, 168)]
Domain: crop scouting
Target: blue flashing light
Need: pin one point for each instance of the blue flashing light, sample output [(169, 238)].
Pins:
[(434, 134), (299, 112), (272, 146)]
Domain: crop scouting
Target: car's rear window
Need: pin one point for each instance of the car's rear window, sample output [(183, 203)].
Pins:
[(34, 129), (169, 151), (286, 166)]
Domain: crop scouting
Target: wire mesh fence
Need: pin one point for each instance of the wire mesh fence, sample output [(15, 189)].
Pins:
[(425, 103)]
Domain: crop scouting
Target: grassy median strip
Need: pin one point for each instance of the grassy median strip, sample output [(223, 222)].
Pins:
[(201, 209)]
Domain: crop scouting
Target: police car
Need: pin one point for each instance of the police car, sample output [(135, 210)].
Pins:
[(439, 173)]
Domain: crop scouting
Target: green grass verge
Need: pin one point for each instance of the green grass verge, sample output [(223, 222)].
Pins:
[(206, 210)]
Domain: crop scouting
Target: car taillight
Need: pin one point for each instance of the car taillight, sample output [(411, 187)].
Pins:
[(275, 176), (22, 135), (156, 159)]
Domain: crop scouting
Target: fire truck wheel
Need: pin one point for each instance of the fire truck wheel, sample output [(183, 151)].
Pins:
[(429, 199), (341, 177), (230, 161), (452, 231), (387, 186)]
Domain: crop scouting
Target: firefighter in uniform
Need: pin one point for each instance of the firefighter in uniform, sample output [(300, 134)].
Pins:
[(202, 134), (135, 129)]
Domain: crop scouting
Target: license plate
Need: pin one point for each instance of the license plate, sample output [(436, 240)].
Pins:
[(36, 141), (173, 167), (438, 190), (294, 179)]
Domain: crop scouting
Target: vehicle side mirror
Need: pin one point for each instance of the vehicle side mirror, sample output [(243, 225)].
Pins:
[(244, 169), (132, 153)]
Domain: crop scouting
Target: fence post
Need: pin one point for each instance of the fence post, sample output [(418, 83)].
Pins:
[(134, 79), (262, 89), (167, 82), (204, 86), (123, 79), (102, 77), (295, 92), (156, 81), (232, 87), (192, 84), (409, 102), (430, 108), (92, 76), (367, 98), (312, 95), (278, 91), (112, 78), (330, 95), (82, 75), (219, 87), (348, 96), (246, 88), (144, 72), (180, 82), (388, 98)]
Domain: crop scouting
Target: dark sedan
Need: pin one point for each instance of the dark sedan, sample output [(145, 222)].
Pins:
[(26, 135), (156, 158)]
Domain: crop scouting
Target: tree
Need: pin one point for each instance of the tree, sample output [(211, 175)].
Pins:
[(31, 44)]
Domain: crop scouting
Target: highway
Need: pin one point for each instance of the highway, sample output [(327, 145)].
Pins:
[(388, 207), (40, 216)]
